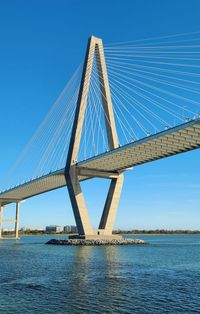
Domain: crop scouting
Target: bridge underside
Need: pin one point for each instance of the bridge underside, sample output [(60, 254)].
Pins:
[(176, 140), (173, 141)]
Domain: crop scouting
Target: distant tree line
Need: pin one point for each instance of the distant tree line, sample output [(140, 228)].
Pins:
[(134, 231), (157, 231), (32, 232)]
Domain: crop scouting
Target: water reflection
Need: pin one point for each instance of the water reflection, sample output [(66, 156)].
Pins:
[(95, 276), (36, 278)]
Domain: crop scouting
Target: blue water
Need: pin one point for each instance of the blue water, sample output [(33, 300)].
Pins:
[(162, 277)]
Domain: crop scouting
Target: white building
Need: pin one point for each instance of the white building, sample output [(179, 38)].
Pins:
[(54, 228)]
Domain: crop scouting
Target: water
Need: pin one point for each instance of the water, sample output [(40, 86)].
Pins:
[(163, 277)]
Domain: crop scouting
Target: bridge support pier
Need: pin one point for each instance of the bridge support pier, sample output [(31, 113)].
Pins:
[(15, 221), (81, 214), (1, 216)]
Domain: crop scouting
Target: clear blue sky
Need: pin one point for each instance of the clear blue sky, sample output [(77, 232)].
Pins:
[(42, 42)]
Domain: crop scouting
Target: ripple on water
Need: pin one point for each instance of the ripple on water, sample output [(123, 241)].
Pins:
[(160, 278)]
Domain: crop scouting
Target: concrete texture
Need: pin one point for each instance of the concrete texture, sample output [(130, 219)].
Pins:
[(72, 172)]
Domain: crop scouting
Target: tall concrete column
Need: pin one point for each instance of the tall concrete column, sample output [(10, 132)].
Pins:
[(1, 219), (17, 221), (78, 204), (110, 209)]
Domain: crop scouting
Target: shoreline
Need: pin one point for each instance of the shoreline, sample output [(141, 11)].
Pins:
[(158, 234), (122, 234)]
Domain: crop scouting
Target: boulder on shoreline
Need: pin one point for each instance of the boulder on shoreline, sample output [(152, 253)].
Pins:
[(79, 242)]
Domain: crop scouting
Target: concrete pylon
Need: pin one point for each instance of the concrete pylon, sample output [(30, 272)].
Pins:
[(72, 172)]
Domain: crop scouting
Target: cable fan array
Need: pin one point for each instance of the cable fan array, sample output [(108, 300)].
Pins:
[(154, 83), (94, 137), (154, 86), (47, 149)]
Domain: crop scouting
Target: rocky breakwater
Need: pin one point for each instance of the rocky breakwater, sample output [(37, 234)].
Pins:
[(81, 242)]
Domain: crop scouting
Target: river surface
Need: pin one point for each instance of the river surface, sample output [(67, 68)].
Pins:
[(162, 277)]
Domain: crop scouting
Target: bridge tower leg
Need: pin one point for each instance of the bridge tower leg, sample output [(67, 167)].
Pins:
[(110, 208), (72, 172)]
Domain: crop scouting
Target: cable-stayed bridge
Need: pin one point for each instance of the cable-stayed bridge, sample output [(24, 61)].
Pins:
[(134, 103)]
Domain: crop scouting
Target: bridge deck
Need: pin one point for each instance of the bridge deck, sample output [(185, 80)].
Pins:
[(182, 138), (173, 141)]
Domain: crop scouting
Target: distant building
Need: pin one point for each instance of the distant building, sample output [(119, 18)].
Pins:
[(74, 229), (54, 228), (70, 229), (67, 229)]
